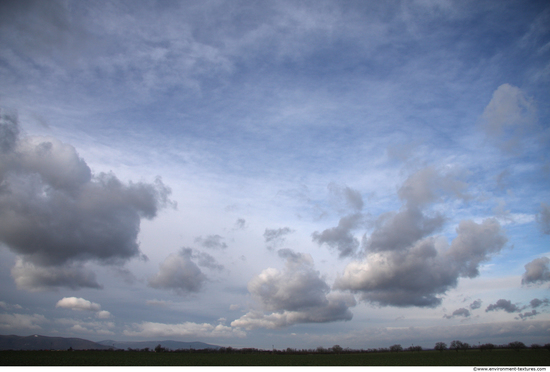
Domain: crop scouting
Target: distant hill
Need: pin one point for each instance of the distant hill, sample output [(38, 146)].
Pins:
[(168, 344), (37, 342)]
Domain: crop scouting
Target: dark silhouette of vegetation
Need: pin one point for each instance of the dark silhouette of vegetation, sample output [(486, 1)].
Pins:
[(487, 346), (440, 346), (455, 345), (517, 345), (337, 349), (396, 348)]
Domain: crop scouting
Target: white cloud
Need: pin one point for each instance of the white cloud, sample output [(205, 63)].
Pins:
[(76, 303), (296, 295), (21, 322), (186, 329), (179, 273)]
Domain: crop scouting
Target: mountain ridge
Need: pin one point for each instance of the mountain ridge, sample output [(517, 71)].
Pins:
[(38, 342)]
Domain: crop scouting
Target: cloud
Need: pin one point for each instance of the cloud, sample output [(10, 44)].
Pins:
[(459, 312), (35, 278), (179, 273), (295, 295), (397, 231), (100, 327), (55, 214), (429, 185), (187, 329), (505, 305), (509, 116), (157, 303), (240, 224), (10, 322), (535, 302), (103, 314), (351, 198), (79, 304), (276, 237), (475, 305), (416, 275), (403, 265), (537, 271), (211, 241), (543, 218), (528, 314), (341, 237)]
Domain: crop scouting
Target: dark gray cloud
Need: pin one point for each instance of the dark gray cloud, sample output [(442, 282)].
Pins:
[(179, 273), (528, 314), (406, 267), (505, 305), (459, 312), (341, 237), (403, 265), (397, 231), (543, 218), (475, 305), (297, 294), (55, 214), (35, 278), (535, 302), (275, 237), (211, 242), (537, 271)]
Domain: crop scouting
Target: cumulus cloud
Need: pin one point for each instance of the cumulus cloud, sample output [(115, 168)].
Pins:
[(79, 304), (10, 322), (295, 295), (508, 117), (276, 237), (535, 302), (537, 271), (36, 278), (187, 329), (179, 273), (55, 214), (458, 312), (475, 305), (403, 265), (505, 305), (416, 275), (341, 237), (397, 231), (543, 218), (211, 242)]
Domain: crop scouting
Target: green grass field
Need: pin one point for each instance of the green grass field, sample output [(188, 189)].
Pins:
[(424, 358)]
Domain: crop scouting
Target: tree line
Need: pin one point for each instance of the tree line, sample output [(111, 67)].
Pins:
[(455, 345)]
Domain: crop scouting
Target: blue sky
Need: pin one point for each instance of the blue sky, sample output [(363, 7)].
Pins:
[(296, 174)]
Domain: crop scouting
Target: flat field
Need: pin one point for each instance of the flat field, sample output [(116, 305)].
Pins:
[(423, 358)]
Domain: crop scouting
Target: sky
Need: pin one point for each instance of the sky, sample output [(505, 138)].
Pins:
[(276, 173)]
